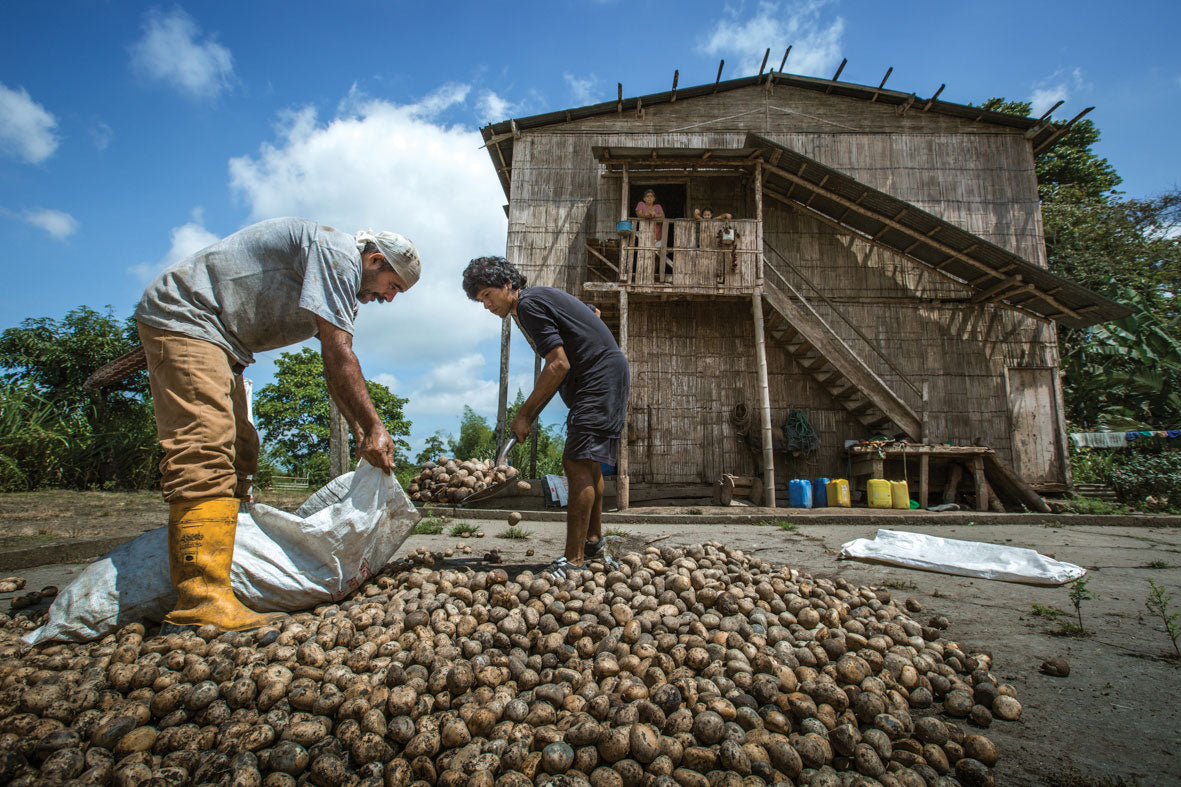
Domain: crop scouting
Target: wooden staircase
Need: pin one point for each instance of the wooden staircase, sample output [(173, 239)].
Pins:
[(795, 325)]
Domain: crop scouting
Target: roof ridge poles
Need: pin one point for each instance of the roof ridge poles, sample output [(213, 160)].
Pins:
[(676, 75), (876, 92), (719, 76)]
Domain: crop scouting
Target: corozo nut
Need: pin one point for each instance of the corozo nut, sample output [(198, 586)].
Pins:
[(695, 666)]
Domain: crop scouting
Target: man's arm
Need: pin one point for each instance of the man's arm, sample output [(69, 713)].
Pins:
[(347, 385), (557, 366)]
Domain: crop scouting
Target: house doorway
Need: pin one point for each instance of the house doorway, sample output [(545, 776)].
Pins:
[(672, 197)]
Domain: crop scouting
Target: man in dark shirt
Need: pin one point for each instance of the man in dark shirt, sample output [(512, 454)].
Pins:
[(584, 364)]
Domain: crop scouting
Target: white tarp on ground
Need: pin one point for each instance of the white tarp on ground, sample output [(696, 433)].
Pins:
[(965, 558), (346, 532)]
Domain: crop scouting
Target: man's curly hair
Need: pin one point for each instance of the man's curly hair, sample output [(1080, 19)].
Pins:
[(490, 272)]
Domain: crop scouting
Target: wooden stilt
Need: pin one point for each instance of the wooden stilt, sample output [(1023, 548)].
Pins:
[(622, 479), (338, 440), (533, 434), (506, 332), (924, 480), (764, 399)]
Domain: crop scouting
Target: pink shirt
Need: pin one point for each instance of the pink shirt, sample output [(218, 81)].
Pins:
[(655, 212)]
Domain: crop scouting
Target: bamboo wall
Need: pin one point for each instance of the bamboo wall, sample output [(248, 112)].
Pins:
[(693, 361)]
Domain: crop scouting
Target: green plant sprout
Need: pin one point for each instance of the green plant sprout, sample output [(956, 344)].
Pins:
[(1079, 594), (1158, 603)]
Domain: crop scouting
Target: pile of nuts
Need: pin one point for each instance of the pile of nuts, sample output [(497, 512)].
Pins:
[(698, 666), (450, 481)]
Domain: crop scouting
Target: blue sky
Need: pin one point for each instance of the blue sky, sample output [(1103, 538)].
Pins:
[(133, 134)]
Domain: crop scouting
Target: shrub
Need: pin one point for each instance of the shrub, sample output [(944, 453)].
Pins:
[(1144, 474)]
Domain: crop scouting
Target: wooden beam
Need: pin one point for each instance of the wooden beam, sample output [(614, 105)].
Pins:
[(766, 55), (1057, 134), (783, 62), (907, 104), (506, 332), (676, 75), (876, 92), (884, 219), (1042, 122), (516, 131), (619, 99), (718, 78), (1001, 286), (931, 100), (837, 75)]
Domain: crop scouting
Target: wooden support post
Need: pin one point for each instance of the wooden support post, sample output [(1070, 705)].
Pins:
[(533, 434), (619, 101), (338, 441), (924, 480), (718, 79), (676, 76), (980, 483), (955, 472), (766, 55), (925, 436), (759, 216), (506, 332), (764, 398), (626, 258), (931, 100), (622, 479)]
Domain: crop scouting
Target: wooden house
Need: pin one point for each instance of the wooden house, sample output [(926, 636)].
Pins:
[(883, 272)]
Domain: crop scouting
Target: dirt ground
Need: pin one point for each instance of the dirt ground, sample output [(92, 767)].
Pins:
[(1116, 720)]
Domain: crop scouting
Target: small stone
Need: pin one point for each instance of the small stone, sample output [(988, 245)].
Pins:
[(1056, 666)]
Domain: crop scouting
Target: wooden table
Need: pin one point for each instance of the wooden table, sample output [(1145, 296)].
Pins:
[(869, 462)]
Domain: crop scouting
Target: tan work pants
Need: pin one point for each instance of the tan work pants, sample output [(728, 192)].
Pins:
[(210, 447)]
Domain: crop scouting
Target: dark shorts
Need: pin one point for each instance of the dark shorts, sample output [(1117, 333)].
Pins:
[(593, 447)]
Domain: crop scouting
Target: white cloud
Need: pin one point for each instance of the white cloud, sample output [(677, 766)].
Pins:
[(1059, 86), (385, 166), (102, 134), (814, 38), (583, 91), (446, 388), (492, 108), (388, 380), (170, 52), (186, 240), (26, 128), (57, 223)]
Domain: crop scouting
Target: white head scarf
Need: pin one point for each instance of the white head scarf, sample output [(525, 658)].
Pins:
[(398, 251)]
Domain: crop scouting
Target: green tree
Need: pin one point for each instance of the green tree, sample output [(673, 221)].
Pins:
[(432, 450), (293, 413), (1123, 373), (108, 436), (476, 440)]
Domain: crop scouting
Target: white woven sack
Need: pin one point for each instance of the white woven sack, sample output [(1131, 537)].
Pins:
[(281, 561)]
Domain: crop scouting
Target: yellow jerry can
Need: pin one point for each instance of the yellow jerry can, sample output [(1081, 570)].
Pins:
[(878, 490)]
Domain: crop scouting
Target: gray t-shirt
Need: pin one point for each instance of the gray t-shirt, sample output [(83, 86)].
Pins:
[(260, 288)]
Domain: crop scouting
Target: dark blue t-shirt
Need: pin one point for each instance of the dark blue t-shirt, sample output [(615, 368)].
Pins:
[(596, 387)]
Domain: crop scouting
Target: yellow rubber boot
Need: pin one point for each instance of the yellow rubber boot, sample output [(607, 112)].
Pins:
[(200, 552)]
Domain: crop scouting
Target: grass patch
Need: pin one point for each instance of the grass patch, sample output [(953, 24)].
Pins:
[(1068, 628), (899, 584), (515, 533), (1158, 564), (1046, 612), (462, 530), (430, 526), (782, 524), (1091, 505), (614, 531)]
